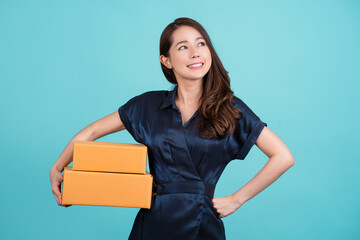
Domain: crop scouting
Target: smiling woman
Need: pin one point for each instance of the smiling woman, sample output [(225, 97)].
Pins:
[(192, 132), (188, 41), (189, 60)]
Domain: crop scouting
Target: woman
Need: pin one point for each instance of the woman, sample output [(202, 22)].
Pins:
[(192, 132)]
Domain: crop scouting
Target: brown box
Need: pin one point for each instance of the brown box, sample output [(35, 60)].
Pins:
[(109, 157), (106, 189)]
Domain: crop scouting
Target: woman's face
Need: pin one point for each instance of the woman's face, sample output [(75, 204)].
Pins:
[(188, 48)]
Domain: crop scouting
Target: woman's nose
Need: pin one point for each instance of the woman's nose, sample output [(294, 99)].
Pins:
[(194, 52)]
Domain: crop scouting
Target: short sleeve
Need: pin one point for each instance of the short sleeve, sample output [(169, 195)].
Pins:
[(131, 115), (247, 131)]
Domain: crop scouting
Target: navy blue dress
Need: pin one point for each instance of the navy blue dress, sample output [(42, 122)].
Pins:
[(185, 167)]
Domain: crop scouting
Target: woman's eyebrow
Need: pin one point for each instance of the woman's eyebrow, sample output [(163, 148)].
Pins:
[(187, 41)]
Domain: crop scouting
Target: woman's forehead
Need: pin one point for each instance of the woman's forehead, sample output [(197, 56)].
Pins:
[(186, 31), (185, 34)]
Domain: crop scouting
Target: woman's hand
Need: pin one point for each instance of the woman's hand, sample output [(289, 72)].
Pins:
[(226, 205), (56, 178)]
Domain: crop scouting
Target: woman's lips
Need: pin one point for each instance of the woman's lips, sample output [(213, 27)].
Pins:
[(196, 67)]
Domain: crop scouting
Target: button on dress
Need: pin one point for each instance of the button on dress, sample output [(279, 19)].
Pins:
[(185, 166)]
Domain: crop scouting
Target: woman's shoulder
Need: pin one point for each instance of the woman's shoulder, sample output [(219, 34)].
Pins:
[(247, 110), (239, 103), (152, 97), (155, 93)]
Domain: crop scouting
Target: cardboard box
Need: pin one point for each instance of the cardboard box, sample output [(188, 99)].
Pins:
[(109, 157), (106, 189)]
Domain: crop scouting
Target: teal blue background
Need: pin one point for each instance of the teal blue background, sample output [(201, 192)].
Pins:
[(66, 64)]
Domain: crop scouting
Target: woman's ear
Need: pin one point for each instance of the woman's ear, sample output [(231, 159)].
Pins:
[(165, 61)]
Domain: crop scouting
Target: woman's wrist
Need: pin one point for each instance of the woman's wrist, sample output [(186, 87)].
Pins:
[(56, 168), (239, 198)]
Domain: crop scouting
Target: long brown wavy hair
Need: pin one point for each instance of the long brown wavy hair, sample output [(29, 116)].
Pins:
[(217, 114)]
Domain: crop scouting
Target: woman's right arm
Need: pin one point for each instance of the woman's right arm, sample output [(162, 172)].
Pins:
[(104, 126)]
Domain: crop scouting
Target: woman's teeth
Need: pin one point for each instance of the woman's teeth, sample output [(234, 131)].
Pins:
[(196, 65)]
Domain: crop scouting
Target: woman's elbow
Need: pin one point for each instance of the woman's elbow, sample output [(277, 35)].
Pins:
[(291, 162), (287, 158)]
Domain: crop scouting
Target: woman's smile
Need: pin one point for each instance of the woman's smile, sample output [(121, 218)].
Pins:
[(196, 65)]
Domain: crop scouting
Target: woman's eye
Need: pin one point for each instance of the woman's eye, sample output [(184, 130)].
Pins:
[(199, 43)]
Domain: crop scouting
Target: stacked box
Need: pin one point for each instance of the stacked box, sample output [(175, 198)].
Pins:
[(108, 174)]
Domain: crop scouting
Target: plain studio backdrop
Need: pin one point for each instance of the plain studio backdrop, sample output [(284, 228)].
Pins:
[(65, 64)]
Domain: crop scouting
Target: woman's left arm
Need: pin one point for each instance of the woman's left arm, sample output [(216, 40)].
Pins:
[(280, 160)]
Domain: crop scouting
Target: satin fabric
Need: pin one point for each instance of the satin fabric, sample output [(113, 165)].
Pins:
[(185, 167)]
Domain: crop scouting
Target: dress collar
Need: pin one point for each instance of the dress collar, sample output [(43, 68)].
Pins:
[(170, 99)]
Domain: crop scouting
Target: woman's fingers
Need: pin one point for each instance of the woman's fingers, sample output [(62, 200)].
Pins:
[(57, 194), (56, 178)]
